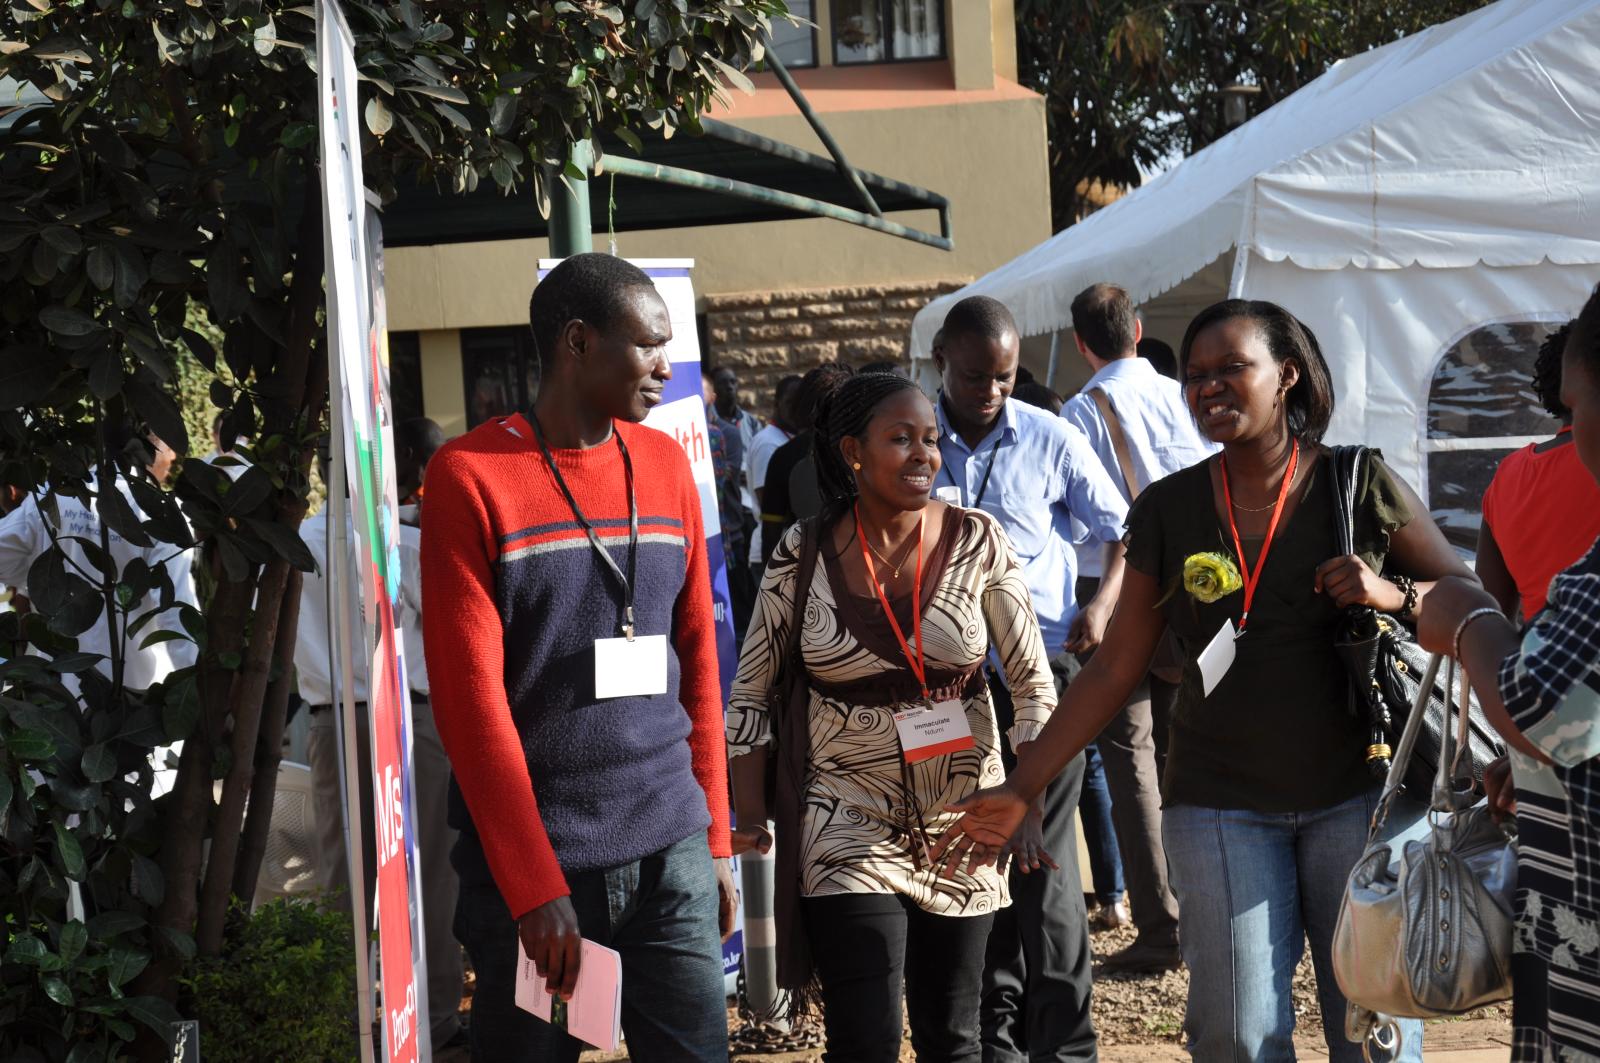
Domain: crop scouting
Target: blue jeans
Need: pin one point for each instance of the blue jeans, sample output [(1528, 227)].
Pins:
[(660, 913), (1251, 888), (1099, 832)]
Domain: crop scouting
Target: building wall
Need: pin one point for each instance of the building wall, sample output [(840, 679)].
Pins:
[(958, 126), (768, 335)]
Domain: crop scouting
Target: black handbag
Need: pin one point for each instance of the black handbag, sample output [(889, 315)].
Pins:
[(1387, 667)]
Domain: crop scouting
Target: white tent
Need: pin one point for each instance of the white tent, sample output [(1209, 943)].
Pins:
[(1408, 198)]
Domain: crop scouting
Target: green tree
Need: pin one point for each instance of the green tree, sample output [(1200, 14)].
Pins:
[(1130, 84), (175, 172)]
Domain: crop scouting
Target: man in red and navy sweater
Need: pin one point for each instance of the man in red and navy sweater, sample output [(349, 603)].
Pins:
[(591, 798)]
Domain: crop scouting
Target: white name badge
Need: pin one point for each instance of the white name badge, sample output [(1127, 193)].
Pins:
[(927, 733), (1217, 658), (636, 669), (949, 495)]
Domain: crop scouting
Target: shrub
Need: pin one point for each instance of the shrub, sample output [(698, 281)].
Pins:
[(284, 988)]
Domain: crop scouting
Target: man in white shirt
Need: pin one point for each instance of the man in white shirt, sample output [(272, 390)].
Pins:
[(759, 455), (435, 839), (28, 532), (1141, 429)]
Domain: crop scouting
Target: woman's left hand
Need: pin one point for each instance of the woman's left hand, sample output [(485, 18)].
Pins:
[(1348, 581)]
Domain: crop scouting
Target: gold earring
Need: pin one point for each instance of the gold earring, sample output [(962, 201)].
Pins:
[(856, 465)]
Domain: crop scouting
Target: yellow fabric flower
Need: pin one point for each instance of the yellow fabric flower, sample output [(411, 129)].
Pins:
[(1210, 576)]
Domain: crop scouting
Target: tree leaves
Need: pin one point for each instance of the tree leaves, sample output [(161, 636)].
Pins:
[(67, 321), (159, 411)]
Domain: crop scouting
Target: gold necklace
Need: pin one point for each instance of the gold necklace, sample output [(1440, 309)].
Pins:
[(892, 565), (1264, 509)]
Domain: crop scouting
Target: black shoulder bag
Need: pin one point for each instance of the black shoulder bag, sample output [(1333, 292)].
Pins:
[(1387, 667)]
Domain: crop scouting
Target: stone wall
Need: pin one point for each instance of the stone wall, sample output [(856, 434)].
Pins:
[(768, 335)]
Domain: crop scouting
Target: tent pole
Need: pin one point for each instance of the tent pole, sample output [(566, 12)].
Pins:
[(1055, 351)]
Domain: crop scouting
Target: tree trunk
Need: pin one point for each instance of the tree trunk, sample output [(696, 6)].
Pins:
[(269, 746), (249, 694), (189, 811)]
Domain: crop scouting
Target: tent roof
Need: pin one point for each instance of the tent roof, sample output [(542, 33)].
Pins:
[(1472, 141)]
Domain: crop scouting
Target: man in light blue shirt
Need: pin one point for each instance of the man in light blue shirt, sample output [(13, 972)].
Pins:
[(1035, 474), (1140, 427)]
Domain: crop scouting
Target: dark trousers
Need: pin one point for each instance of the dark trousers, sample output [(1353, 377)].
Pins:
[(1037, 980), (872, 950), (1133, 747), (660, 913)]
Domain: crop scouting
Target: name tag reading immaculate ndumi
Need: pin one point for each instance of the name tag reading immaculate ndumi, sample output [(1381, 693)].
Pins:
[(636, 669), (1217, 657), (931, 732)]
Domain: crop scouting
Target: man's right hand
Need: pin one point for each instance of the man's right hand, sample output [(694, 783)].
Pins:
[(551, 938)]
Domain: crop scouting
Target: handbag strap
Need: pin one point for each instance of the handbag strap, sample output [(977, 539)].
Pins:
[(1408, 744), (1347, 462), (1453, 745), (1119, 441), (810, 535)]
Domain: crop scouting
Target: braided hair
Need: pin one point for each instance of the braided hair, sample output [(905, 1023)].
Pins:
[(847, 412), (1547, 371)]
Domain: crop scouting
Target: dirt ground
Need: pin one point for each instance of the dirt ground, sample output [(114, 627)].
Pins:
[(1140, 1020)]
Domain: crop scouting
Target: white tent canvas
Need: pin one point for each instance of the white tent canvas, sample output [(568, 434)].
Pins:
[(1431, 202)]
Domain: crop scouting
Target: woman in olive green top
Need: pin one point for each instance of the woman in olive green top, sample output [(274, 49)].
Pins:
[(1266, 793)]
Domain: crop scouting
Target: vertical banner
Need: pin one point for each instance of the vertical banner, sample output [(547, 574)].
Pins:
[(682, 415), (358, 379)]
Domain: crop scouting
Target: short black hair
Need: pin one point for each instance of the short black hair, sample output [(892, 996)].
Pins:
[(1310, 402), (419, 436), (785, 387), (1159, 354), (1584, 342), (1036, 394), (883, 366), (816, 387), (980, 316), (589, 288), (1547, 371), (1102, 317)]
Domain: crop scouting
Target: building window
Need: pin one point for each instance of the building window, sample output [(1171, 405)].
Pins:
[(1481, 407), (886, 31), (796, 44), (405, 376), (499, 372)]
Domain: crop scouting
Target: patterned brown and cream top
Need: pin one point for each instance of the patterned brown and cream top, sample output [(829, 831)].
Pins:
[(866, 812)]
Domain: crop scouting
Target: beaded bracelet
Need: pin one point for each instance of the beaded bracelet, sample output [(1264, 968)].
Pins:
[(1408, 587), (1461, 628)]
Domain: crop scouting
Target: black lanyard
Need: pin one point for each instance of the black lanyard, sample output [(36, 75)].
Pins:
[(983, 486), (594, 540)]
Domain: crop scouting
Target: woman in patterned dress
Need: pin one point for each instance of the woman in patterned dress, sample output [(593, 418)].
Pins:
[(1541, 690), (867, 916)]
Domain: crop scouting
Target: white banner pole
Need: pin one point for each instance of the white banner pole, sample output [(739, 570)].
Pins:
[(338, 562)]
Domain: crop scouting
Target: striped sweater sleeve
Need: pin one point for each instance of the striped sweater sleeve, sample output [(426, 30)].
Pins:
[(694, 636), (465, 651)]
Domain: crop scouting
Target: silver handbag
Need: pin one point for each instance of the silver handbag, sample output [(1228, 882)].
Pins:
[(1428, 932)]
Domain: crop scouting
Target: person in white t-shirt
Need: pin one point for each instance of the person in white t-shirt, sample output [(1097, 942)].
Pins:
[(759, 455), (28, 532)]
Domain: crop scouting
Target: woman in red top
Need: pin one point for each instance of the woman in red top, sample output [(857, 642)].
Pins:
[(1542, 509)]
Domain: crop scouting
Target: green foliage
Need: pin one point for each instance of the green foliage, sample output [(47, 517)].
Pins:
[(75, 810), (286, 989), (161, 259), (1131, 84)]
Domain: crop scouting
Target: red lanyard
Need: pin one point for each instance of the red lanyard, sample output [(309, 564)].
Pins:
[(914, 660), (1252, 579)]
